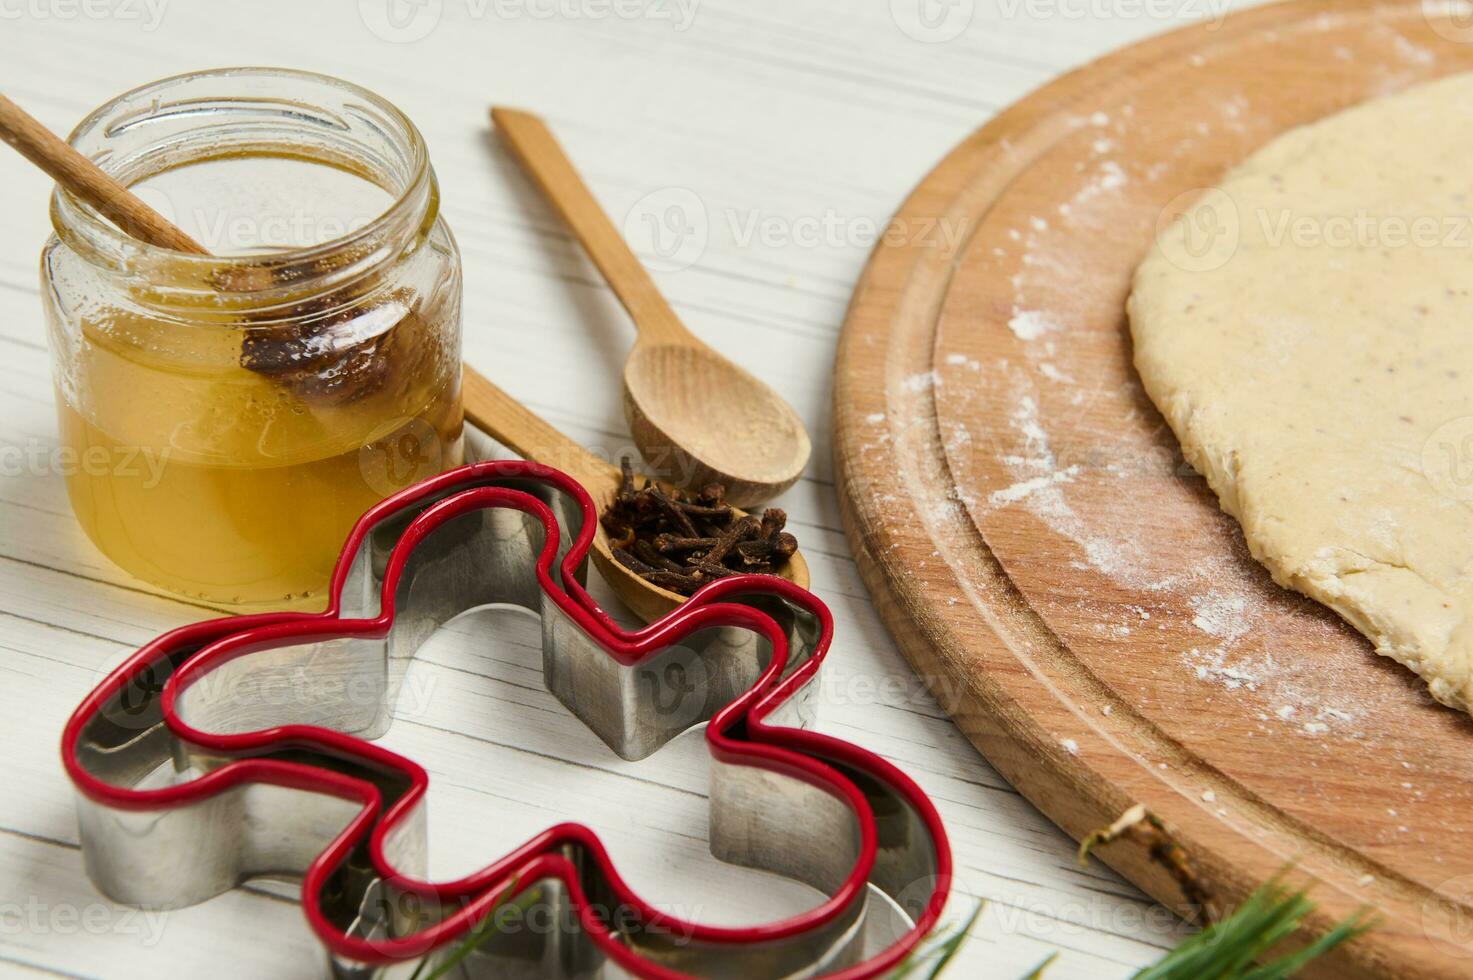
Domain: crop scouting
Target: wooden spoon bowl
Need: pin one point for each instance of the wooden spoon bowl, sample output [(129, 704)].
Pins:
[(512, 424), (696, 417), (711, 422)]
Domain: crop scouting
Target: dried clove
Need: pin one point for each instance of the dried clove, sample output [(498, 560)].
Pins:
[(681, 542)]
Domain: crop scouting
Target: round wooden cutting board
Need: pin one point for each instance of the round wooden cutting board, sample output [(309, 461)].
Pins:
[(1043, 556)]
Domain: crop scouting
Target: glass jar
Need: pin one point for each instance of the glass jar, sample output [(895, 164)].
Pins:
[(232, 415)]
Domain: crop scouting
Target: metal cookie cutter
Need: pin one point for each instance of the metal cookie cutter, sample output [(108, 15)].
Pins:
[(239, 748)]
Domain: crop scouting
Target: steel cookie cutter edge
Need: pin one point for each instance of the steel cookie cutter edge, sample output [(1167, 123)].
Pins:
[(183, 794)]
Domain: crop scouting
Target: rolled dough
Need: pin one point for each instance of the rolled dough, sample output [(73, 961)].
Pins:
[(1306, 328)]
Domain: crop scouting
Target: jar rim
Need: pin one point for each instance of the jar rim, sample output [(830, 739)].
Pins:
[(259, 275)]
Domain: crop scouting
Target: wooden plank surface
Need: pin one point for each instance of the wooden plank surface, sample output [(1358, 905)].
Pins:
[(1091, 618), (798, 127)]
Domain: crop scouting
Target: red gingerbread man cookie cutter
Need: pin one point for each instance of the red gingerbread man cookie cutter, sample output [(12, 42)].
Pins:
[(242, 747)]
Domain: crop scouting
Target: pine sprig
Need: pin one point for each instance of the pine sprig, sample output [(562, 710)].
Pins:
[(1230, 949), (1227, 950)]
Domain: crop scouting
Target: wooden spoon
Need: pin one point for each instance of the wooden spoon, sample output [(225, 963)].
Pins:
[(515, 426), (695, 416), (486, 405)]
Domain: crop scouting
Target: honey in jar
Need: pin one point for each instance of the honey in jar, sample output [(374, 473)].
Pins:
[(234, 414)]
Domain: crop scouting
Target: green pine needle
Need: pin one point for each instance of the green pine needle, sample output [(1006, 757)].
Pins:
[(940, 949), (1229, 950), (477, 935), (1037, 973)]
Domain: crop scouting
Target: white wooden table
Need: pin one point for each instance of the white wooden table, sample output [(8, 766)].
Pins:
[(795, 127)]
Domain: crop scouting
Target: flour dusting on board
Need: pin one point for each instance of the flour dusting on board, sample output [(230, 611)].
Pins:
[(1024, 488), (922, 381), (1232, 654), (1030, 324), (1222, 616), (1039, 488)]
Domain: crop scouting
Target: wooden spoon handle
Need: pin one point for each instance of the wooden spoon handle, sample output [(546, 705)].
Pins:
[(511, 423), (538, 151), (87, 181)]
